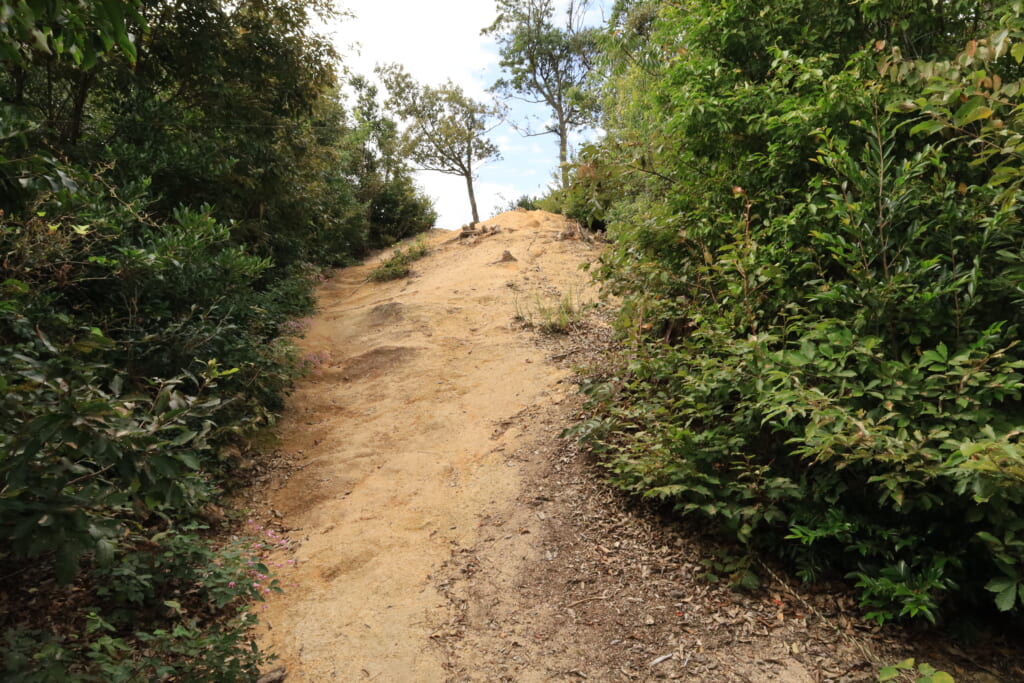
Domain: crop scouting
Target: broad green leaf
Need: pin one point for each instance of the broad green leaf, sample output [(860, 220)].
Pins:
[(190, 460), (1018, 52), (1000, 584), (928, 127), (164, 465), (105, 551), (184, 437), (972, 110), (888, 673), (1006, 173), (126, 41), (1006, 599)]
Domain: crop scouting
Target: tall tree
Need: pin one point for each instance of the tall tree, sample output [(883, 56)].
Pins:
[(447, 130), (547, 64), (395, 207)]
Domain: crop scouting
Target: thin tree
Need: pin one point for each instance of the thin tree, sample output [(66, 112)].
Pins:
[(548, 64), (446, 129)]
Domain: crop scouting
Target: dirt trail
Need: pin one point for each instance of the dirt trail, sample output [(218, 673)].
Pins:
[(444, 532), (403, 436)]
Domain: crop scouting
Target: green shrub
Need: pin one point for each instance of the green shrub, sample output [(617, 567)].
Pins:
[(398, 210), (922, 672), (825, 299), (590, 194), (174, 607), (523, 202), (131, 350), (396, 266)]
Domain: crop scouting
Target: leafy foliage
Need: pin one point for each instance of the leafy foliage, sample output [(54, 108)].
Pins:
[(396, 266), (79, 31), (137, 633), (928, 673), (395, 208), (817, 227)]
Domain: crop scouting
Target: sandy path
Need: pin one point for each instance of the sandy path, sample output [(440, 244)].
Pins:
[(402, 438), (445, 533)]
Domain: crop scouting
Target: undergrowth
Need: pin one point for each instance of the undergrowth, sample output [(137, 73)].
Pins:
[(911, 670), (397, 265), (826, 312), (125, 384), (178, 605)]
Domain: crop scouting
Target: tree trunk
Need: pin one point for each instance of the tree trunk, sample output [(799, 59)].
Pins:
[(472, 197), (20, 76), (74, 129), (563, 150)]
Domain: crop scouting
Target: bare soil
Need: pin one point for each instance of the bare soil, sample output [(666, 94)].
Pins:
[(442, 530)]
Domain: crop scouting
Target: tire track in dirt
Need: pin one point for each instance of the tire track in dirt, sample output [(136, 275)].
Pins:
[(400, 440)]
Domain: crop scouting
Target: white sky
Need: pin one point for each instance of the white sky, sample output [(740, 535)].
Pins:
[(435, 41)]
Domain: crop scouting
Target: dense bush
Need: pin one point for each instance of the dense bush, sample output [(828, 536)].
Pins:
[(818, 239), (398, 210), (115, 391), (177, 608), (592, 191)]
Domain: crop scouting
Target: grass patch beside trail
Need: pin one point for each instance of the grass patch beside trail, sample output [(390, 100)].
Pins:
[(397, 266), (552, 314)]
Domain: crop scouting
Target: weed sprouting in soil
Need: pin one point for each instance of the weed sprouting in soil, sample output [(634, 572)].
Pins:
[(555, 314)]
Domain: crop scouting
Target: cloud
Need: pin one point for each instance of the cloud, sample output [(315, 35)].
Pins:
[(452, 199), (433, 43), (507, 144), (495, 198)]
